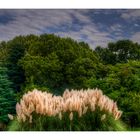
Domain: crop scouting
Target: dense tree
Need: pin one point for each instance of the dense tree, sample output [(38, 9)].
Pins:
[(121, 83), (43, 71), (53, 61), (119, 52), (3, 52), (130, 105), (15, 72), (7, 97)]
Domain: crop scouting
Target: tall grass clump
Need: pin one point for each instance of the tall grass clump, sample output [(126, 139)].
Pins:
[(75, 110)]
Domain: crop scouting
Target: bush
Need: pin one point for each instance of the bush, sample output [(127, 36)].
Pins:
[(76, 110)]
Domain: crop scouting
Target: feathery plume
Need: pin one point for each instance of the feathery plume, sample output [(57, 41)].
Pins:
[(47, 104), (11, 117)]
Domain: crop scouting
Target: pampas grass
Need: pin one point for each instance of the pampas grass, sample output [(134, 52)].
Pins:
[(75, 110)]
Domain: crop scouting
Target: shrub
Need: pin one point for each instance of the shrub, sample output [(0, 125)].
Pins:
[(75, 110)]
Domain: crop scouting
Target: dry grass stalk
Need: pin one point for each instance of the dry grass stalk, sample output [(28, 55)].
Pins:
[(81, 101), (11, 117)]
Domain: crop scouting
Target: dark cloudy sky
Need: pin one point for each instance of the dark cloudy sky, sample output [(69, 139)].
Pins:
[(96, 27)]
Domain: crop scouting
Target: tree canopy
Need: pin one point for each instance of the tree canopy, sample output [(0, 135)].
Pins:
[(53, 63)]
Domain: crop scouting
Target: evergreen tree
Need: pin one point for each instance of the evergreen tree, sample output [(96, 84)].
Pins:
[(15, 72), (7, 97)]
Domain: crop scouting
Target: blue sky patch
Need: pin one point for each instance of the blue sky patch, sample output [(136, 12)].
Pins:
[(96, 27)]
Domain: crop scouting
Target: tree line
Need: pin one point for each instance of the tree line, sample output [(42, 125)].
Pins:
[(51, 63)]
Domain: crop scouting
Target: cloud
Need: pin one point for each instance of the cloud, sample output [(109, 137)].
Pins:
[(32, 21), (96, 27), (131, 14), (36, 21), (93, 36), (136, 37), (116, 27)]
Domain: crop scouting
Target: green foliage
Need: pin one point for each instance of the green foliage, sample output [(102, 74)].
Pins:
[(13, 125), (42, 70), (58, 63), (54, 62), (3, 52), (91, 121), (30, 87), (7, 97), (130, 104), (80, 70), (120, 81), (119, 52), (15, 72)]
